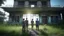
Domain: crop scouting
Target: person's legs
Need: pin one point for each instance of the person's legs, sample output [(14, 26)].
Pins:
[(36, 27), (32, 26), (23, 28), (27, 27)]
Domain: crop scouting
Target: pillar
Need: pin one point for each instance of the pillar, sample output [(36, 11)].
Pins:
[(39, 4), (61, 16), (15, 3), (48, 4), (20, 19), (26, 4), (40, 19), (49, 19)]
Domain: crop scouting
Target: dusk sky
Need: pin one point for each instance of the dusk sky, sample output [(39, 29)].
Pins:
[(54, 3)]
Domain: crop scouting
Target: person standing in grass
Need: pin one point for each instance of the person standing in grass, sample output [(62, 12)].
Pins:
[(37, 24), (32, 23), (23, 25), (26, 22)]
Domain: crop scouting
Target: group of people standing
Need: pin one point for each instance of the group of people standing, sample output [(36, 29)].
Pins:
[(25, 24)]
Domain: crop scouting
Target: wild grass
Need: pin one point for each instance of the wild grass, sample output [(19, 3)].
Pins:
[(14, 30)]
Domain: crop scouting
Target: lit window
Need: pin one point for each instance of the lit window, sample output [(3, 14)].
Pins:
[(32, 6)]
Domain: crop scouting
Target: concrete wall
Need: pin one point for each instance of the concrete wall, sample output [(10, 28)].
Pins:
[(51, 19), (43, 18), (15, 18), (28, 3)]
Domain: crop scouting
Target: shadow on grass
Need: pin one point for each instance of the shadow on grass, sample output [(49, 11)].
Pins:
[(25, 33), (13, 33)]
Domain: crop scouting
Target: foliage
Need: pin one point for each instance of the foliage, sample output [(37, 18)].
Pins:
[(1, 2)]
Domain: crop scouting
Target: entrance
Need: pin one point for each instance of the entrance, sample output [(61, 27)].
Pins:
[(30, 17)]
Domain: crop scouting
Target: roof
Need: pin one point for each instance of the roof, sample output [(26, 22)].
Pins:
[(32, 0), (45, 9)]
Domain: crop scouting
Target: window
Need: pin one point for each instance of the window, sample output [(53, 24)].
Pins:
[(44, 3), (20, 3), (33, 3)]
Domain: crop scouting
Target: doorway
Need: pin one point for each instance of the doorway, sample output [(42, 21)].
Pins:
[(30, 17)]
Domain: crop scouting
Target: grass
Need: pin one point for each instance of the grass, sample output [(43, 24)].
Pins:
[(52, 30), (11, 30), (45, 29)]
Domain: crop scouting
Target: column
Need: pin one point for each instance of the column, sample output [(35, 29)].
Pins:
[(48, 4), (15, 3), (26, 4), (61, 16), (20, 19), (39, 4), (49, 19), (40, 19)]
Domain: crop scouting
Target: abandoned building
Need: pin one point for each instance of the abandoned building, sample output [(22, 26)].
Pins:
[(33, 9)]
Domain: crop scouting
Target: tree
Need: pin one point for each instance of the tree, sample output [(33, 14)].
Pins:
[(1, 2)]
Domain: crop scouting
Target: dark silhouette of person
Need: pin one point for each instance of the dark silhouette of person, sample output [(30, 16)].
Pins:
[(23, 25), (26, 22), (32, 23), (37, 24)]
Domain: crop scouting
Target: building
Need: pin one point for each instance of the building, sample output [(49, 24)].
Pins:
[(41, 9)]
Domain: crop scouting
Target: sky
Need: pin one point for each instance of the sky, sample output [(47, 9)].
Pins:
[(54, 3), (57, 3)]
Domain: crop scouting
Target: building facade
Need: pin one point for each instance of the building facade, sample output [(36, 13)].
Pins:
[(42, 8)]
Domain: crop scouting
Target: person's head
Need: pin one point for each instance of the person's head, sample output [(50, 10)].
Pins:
[(37, 19), (23, 19), (26, 18), (32, 19)]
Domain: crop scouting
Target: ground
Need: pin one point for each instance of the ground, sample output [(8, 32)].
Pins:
[(16, 30)]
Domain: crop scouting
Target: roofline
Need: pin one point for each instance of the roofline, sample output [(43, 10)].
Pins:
[(31, 0)]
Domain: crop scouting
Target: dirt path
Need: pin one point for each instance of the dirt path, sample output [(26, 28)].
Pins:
[(33, 33)]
